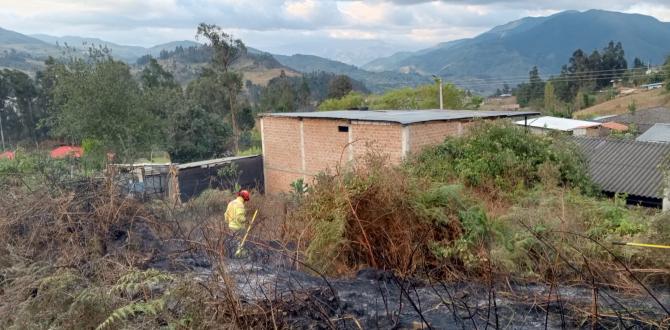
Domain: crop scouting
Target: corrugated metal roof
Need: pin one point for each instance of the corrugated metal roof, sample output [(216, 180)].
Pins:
[(212, 162), (403, 117), (615, 126), (556, 123), (626, 166), (643, 118), (657, 133)]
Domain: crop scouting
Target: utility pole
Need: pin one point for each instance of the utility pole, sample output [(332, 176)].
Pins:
[(439, 79), (2, 134)]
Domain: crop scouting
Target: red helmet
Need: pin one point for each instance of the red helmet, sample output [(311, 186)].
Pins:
[(244, 194)]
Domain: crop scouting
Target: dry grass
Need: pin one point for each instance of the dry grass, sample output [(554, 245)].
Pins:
[(642, 99)]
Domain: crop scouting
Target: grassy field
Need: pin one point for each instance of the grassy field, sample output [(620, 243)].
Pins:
[(642, 100)]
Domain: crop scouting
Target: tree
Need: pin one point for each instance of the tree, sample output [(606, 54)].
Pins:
[(196, 133), (154, 76), (226, 50), (550, 101), (339, 87), (102, 101)]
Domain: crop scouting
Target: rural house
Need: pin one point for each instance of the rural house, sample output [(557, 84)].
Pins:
[(634, 168), (658, 133), (545, 124), (301, 144)]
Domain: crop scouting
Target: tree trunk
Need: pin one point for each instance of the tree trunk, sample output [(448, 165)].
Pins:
[(233, 119)]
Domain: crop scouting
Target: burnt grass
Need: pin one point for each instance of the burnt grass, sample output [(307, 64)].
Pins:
[(377, 299), (284, 292)]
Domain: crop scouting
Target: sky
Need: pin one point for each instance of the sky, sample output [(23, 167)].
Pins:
[(294, 26)]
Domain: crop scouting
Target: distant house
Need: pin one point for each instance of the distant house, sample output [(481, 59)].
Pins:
[(628, 167), (7, 155), (652, 86), (575, 127), (67, 151), (658, 133), (643, 119), (614, 126)]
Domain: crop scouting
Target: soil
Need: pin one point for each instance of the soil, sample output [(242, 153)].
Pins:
[(377, 299)]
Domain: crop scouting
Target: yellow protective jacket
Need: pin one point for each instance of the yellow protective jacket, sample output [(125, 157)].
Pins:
[(235, 214)]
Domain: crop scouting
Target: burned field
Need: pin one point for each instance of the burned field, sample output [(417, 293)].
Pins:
[(423, 245)]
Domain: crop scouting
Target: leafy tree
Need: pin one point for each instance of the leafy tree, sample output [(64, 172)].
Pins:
[(103, 102), (154, 76), (197, 134), (421, 97), (284, 94), (226, 50), (550, 101), (339, 87)]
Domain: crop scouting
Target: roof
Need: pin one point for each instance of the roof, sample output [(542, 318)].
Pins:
[(615, 126), (7, 155), (657, 133), (644, 118), (212, 162), (602, 118), (403, 117), (556, 123), (625, 166), (67, 151)]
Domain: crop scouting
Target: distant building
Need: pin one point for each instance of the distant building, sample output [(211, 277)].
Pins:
[(575, 127), (643, 119), (628, 167), (615, 127), (7, 155), (658, 133), (652, 86), (300, 145), (66, 152)]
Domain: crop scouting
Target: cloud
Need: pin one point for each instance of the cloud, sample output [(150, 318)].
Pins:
[(268, 24)]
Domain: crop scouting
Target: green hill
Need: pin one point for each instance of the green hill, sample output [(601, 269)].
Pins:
[(508, 52), (374, 81)]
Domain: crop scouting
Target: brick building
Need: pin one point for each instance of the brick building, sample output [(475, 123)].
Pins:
[(302, 144)]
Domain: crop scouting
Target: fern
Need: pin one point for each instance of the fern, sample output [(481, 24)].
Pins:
[(130, 284), (151, 308), (133, 282)]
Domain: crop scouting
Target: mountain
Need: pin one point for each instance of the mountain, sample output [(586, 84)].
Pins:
[(374, 81), (123, 52), (508, 52), (349, 51)]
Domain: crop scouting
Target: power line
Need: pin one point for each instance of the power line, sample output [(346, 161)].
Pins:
[(558, 79)]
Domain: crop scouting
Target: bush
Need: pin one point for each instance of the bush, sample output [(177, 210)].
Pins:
[(381, 216), (502, 156)]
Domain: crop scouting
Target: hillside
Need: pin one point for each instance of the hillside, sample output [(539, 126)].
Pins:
[(375, 81), (124, 52), (187, 63), (642, 100), (509, 51)]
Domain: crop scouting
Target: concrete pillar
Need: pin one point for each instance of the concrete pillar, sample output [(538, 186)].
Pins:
[(405, 143), (302, 149)]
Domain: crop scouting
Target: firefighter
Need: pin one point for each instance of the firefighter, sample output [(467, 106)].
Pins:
[(236, 219), (235, 213)]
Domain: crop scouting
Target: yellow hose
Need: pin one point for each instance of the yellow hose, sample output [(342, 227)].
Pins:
[(656, 246), (244, 239)]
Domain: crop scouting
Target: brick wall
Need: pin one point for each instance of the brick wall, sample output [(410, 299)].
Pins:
[(295, 148), (431, 133), (281, 152), (377, 136), (324, 144)]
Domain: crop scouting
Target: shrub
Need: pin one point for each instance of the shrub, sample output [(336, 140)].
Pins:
[(381, 216), (502, 156)]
